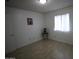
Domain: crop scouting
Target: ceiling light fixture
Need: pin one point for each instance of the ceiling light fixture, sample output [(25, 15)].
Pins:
[(42, 1)]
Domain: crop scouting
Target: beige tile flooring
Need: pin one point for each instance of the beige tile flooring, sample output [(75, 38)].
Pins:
[(44, 49)]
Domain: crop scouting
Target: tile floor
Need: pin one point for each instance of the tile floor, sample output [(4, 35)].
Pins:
[(44, 49)]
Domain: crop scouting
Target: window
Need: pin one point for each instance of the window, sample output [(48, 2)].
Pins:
[(61, 22)]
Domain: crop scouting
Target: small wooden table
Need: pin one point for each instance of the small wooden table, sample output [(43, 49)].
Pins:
[(45, 35)]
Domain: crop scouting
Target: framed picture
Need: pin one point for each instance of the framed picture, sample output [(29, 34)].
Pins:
[(29, 21)]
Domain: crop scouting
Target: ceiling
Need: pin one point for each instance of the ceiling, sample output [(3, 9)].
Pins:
[(34, 5)]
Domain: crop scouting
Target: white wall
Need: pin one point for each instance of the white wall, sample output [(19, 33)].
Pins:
[(66, 37), (18, 33)]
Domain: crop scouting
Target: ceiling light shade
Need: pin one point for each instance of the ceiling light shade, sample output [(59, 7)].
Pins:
[(42, 1)]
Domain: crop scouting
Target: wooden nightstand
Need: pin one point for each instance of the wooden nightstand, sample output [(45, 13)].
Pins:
[(45, 34)]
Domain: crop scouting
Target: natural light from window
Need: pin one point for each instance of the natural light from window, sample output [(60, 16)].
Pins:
[(62, 23)]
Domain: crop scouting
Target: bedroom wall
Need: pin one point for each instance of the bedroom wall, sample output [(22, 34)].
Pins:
[(66, 37), (18, 33)]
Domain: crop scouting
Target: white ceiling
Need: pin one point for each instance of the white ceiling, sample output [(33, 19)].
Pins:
[(34, 5)]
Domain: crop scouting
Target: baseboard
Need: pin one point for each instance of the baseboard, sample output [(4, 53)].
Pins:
[(6, 54)]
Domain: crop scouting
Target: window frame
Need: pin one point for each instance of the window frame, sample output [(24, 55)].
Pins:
[(62, 28)]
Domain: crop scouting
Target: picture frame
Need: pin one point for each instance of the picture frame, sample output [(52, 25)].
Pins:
[(29, 21)]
